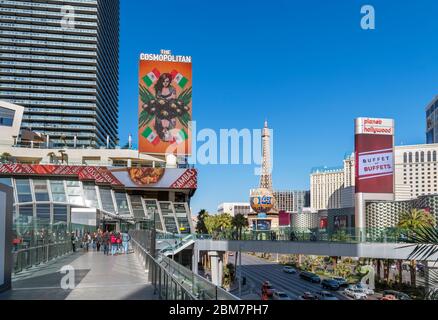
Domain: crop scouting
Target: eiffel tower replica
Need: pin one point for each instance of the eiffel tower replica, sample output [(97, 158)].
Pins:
[(266, 176)]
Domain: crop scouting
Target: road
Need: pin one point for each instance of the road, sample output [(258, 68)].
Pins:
[(258, 270)]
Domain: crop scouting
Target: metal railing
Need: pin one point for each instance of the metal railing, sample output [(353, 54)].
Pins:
[(166, 285), (171, 280), (342, 235), (199, 287), (30, 257)]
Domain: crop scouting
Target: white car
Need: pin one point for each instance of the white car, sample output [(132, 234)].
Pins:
[(325, 295), (280, 296), (290, 270), (364, 288), (356, 294)]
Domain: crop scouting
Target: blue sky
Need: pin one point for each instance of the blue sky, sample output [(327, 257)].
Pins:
[(306, 66)]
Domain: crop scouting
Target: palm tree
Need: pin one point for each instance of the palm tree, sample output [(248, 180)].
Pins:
[(413, 221), (200, 224), (425, 244), (239, 222)]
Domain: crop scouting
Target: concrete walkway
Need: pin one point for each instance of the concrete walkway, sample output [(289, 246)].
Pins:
[(97, 277)]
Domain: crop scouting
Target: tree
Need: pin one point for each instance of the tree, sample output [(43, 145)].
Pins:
[(425, 243), (228, 275), (342, 269), (414, 221), (200, 225), (239, 222), (313, 262), (5, 157)]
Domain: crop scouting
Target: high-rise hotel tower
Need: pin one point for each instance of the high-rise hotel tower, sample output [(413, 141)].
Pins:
[(60, 60)]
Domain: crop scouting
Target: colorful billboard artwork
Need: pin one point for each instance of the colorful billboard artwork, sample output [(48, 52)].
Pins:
[(374, 155), (261, 225), (323, 223), (157, 178), (340, 222), (165, 105), (284, 218)]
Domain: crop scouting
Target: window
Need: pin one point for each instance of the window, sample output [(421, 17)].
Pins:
[(405, 157), (122, 203), (417, 157), (6, 181), (41, 191), (422, 156), (23, 190), (429, 156), (25, 214), (90, 195), (410, 157), (43, 212), (6, 117), (107, 199), (58, 191), (74, 193), (59, 213), (137, 207), (434, 156), (151, 209)]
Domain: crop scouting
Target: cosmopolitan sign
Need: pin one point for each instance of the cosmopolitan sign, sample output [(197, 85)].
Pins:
[(374, 155)]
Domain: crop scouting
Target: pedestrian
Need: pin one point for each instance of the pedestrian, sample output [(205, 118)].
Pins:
[(125, 242), (119, 242), (73, 241), (113, 241), (106, 243), (98, 241)]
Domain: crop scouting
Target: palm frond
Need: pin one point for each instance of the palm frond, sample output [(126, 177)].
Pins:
[(424, 240)]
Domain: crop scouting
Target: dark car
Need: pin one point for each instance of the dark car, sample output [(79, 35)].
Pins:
[(396, 294), (309, 276), (341, 281), (330, 284)]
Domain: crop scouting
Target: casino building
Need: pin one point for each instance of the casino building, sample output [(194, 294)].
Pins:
[(84, 189)]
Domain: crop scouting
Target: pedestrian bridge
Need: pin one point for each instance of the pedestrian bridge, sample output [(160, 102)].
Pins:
[(95, 276), (331, 249)]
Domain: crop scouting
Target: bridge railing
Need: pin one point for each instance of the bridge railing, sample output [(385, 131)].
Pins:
[(30, 257), (171, 280), (201, 288), (342, 235), (166, 285)]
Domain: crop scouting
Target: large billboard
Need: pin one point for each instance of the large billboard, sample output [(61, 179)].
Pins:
[(165, 103), (374, 155)]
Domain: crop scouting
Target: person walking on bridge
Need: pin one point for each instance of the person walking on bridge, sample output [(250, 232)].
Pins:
[(113, 241), (106, 242), (125, 242)]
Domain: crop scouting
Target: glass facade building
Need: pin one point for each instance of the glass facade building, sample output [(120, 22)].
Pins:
[(432, 122), (62, 66)]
